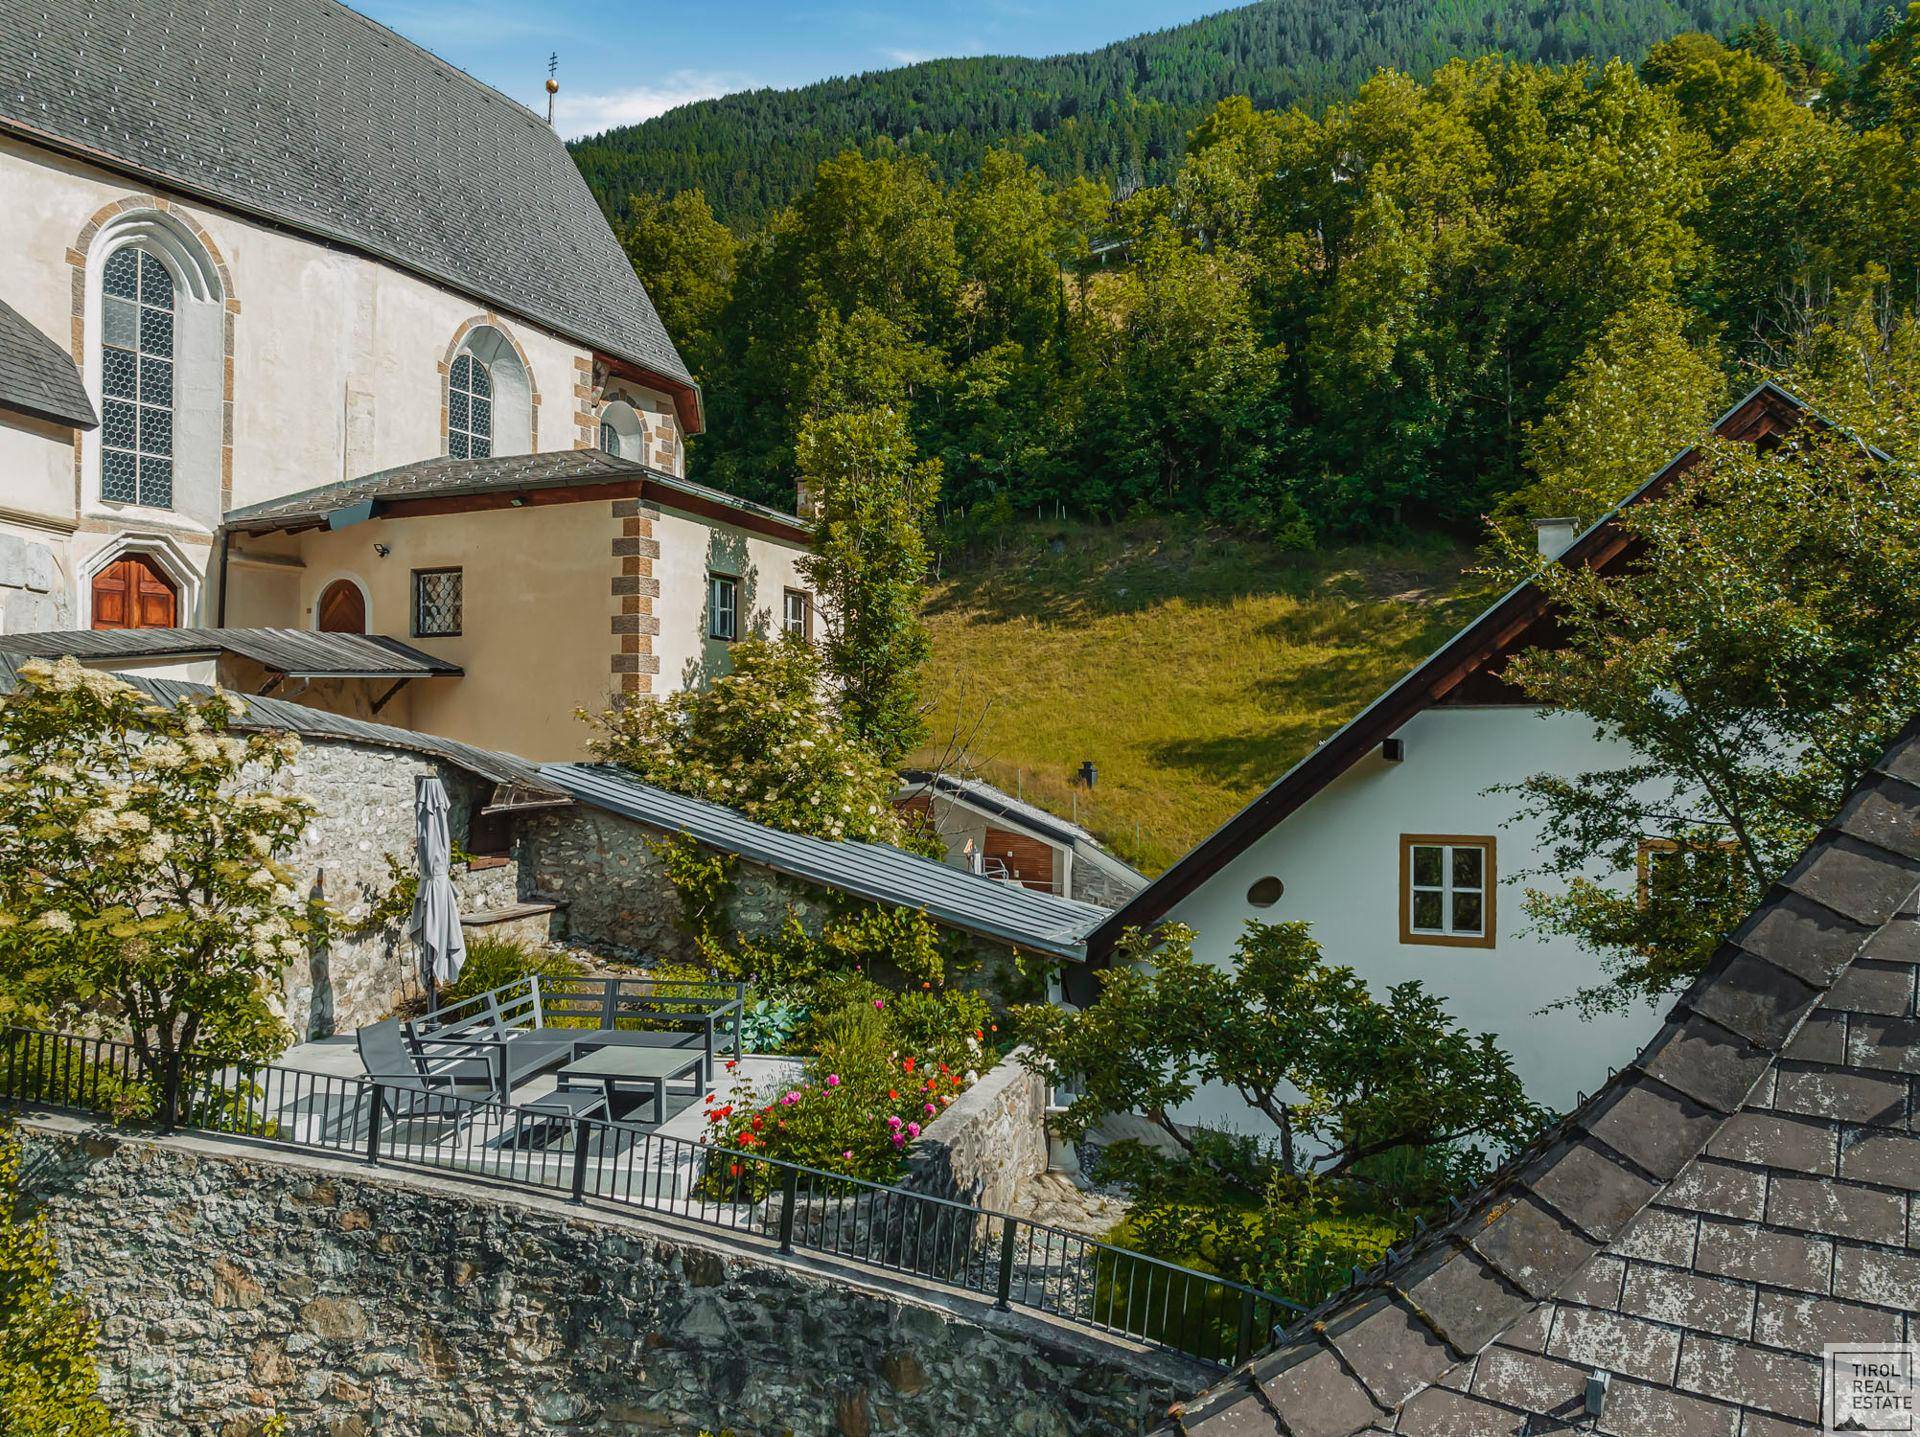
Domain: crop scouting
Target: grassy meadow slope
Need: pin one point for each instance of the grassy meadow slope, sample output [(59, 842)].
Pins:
[(1191, 666)]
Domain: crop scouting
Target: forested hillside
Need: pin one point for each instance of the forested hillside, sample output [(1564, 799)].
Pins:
[(1509, 287), (1121, 114)]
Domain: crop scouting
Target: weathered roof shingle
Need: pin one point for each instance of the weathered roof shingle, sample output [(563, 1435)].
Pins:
[(38, 377), (297, 653)]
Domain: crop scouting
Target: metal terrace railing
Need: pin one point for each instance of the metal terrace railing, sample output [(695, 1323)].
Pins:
[(1008, 1259)]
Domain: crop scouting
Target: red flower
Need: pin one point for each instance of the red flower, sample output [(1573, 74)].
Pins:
[(894, 1093), (907, 1066), (733, 1170)]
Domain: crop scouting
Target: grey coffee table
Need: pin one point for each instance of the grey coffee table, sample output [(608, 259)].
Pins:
[(652, 1068)]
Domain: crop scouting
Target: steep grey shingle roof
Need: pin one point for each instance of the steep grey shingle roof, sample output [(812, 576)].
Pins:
[(38, 377), (1728, 1205), (1003, 911), (297, 653), (447, 477), (267, 713), (310, 115)]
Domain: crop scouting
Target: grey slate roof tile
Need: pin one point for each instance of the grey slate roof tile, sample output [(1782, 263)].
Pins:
[(1892, 1044), (1873, 1155), (1530, 1381), (1692, 1300), (1460, 1296), (1898, 942), (1878, 1099), (1820, 1204), (1389, 1349), (1864, 882), (1439, 1412), (1658, 1127), (1754, 998), (312, 116), (1616, 1342), (1592, 1189), (1873, 986), (1705, 1061), (1749, 1253), (1233, 1409), (38, 376), (1803, 937), (1634, 1408), (1595, 1285), (1821, 1039), (1882, 811), (1314, 1396), (1533, 1247), (1777, 1382), (1805, 1145), (1722, 1189)]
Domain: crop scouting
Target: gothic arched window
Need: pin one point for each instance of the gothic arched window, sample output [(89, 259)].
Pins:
[(136, 379)]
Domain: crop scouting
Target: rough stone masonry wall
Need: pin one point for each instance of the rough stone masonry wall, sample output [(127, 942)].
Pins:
[(619, 900), (232, 1286), (991, 1140), (365, 800)]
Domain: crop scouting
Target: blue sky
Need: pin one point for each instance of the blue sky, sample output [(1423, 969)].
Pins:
[(620, 65)]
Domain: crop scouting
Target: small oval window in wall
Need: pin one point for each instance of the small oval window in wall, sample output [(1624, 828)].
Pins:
[(1265, 892)]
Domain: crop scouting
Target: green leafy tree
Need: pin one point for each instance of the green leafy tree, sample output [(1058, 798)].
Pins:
[(142, 874), (1728, 95), (1760, 649), (1343, 1076), (764, 739), (1888, 89), (49, 1380), (1640, 394), (686, 259), (869, 569)]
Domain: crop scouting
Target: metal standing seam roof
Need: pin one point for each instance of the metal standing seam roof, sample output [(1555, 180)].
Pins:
[(297, 653), (446, 477), (297, 718), (1003, 911), (980, 795), (310, 115), (38, 377)]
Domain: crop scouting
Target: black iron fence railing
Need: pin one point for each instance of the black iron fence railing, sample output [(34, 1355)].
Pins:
[(1008, 1259)]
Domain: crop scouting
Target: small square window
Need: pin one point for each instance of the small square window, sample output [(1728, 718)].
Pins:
[(437, 603), (798, 619), (1446, 890), (723, 607)]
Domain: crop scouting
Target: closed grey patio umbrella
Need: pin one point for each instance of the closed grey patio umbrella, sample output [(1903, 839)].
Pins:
[(435, 924)]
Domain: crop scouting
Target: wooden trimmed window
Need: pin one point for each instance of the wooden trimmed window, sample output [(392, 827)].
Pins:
[(723, 607), (439, 603), (133, 592), (798, 617), (1661, 864), (1446, 890)]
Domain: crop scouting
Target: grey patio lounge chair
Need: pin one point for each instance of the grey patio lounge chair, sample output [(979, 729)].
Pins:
[(412, 1086)]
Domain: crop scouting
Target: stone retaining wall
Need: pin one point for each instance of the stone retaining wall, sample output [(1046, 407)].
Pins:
[(232, 1285), (992, 1139)]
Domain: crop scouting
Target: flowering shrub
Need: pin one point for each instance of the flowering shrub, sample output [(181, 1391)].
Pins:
[(763, 739), (141, 881)]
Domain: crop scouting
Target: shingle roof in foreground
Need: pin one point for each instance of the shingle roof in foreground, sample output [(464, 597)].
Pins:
[(1742, 1195), (504, 769), (499, 475), (1007, 912), (311, 115), (37, 376), (297, 653)]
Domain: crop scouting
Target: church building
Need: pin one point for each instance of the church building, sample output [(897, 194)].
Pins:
[(305, 332)]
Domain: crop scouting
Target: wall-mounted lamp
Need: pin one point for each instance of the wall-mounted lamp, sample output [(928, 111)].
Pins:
[(1393, 750), (382, 550)]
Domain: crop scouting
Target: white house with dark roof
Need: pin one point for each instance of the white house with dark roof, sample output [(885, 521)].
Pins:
[(1394, 841), (269, 248)]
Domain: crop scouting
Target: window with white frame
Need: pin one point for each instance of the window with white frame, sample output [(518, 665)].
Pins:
[(798, 618), (1446, 890), (723, 607), (469, 409), (136, 380)]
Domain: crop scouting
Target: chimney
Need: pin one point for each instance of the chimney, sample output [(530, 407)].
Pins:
[(1554, 535)]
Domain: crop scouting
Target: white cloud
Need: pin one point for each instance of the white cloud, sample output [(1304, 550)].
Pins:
[(909, 57), (588, 114)]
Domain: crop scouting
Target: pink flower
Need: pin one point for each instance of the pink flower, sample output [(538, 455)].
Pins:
[(791, 1097), (833, 1080), (913, 1130), (847, 1154), (899, 1140), (930, 1107), (878, 1004), (894, 1122)]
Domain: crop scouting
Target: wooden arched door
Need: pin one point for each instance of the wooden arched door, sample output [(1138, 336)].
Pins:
[(133, 592), (342, 609)]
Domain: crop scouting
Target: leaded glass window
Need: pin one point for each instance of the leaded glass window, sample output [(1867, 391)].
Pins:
[(437, 603), (469, 409), (136, 380)]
